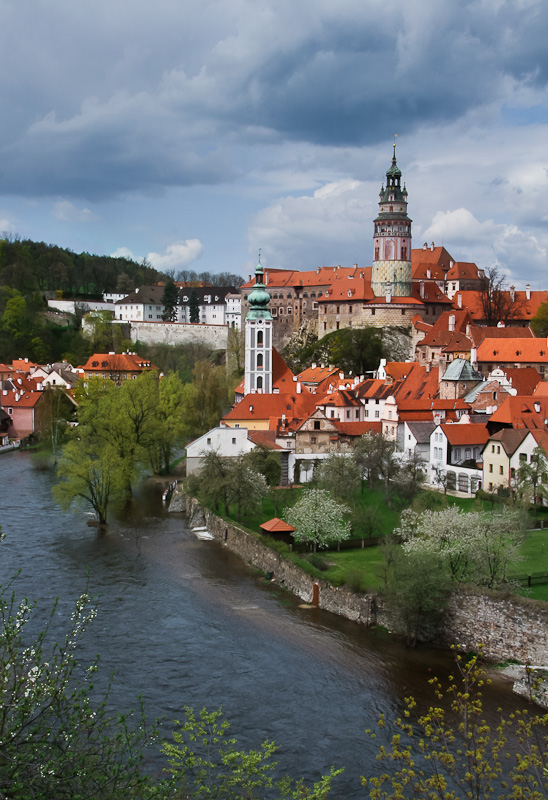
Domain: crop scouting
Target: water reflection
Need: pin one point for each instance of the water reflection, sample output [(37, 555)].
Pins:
[(184, 622)]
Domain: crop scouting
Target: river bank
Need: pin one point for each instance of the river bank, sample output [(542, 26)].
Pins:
[(509, 628)]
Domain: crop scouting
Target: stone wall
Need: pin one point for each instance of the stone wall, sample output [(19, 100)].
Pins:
[(509, 628), (352, 605), (214, 336)]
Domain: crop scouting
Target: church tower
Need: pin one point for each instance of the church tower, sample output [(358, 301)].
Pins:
[(258, 339), (392, 239)]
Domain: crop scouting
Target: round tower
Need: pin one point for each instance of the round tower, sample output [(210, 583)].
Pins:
[(392, 238), (258, 339)]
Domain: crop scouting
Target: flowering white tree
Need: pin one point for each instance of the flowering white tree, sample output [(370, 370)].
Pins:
[(318, 519), (476, 547)]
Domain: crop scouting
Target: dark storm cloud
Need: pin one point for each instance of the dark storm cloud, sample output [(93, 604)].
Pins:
[(106, 98)]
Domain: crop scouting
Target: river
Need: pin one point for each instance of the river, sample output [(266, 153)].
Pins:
[(184, 622)]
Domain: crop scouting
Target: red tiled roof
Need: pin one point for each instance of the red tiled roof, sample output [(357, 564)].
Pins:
[(316, 375), (272, 406), (463, 270), (264, 439), (117, 362), (277, 525), (23, 364), (340, 399), (519, 412), (437, 260), (459, 433), (513, 349), (524, 379), (525, 309), (349, 288), (356, 428), (26, 400)]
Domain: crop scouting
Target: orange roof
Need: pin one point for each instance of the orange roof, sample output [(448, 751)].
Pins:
[(316, 375), (524, 379), (525, 309), (321, 276), (479, 333), (277, 525), (23, 364), (117, 362), (356, 428), (264, 439), (349, 288), (340, 399), (271, 407), (519, 411), (463, 270), (19, 400), (459, 433), (397, 301), (429, 292), (515, 349), (437, 260)]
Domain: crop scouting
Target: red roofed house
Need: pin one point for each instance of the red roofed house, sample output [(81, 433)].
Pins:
[(455, 455), (118, 367), (25, 410), (513, 353)]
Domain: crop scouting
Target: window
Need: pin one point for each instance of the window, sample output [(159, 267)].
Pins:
[(501, 470), (357, 413), (233, 440), (260, 360), (260, 382), (209, 441), (348, 414), (312, 440), (259, 338), (317, 425), (523, 457), (289, 310), (498, 449), (377, 413), (490, 468)]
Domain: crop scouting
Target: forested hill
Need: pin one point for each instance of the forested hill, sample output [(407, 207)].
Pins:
[(30, 267)]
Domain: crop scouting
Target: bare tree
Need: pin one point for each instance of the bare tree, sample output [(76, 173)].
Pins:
[(498, 303)]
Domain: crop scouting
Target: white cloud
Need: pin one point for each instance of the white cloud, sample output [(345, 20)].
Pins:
[(65, 211), (177, 255), (6, 227), (124, 252)]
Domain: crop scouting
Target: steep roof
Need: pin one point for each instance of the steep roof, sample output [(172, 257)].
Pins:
[(509, 438), (460, 370), (524, 379), (150, 295), (277, 525), (117, 362), (519, 411), (526, 309), (270, 407), (436, 259), (421, 430), (13, 399), (349, 288), (463, 270)]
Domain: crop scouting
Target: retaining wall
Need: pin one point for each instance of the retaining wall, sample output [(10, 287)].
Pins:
[(214, 336), (508, 628)]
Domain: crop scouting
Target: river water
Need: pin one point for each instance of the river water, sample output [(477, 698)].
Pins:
[(184, 622)]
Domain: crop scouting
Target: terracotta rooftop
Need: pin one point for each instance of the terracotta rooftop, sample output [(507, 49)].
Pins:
[(520, 411), (513, 349), (277, 525), (462, 433)]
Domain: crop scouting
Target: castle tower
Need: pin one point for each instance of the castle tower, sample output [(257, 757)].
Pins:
[(392, 238), (258, 339)]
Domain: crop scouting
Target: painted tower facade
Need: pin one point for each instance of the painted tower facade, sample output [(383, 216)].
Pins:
[(258, 339), (392, 239)]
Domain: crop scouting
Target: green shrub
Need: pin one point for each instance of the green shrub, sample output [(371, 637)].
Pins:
[(318, 562), (354, 578)]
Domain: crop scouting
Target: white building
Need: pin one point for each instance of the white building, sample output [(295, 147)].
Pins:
[(142, 305)]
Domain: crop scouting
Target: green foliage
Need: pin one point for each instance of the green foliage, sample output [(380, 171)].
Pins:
[(205, 762), (55, 741), (262, 459), (193, 307), (354, 350), (206, 397), (450, 750), (539, 323), (169, 301), (339, 474)]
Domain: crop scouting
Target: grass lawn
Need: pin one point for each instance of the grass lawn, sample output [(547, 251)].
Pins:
[(368, 561)]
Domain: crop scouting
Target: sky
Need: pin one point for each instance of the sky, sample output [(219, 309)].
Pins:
[(195, 132)]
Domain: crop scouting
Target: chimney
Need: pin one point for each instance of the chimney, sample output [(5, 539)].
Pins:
[(537, 407), (451, 264), (432, 246), (355, 266), (451, 322), (425, 246), (39, 387), (468, 329), (459, 300), (388, 290), (299, 390), (428, 273), (513, 294), (341, 376), (528, 291), (314, 365), (421, 290)]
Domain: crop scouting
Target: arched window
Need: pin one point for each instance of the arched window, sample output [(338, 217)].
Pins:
[(260, 361), (259, 338), (260, 382)]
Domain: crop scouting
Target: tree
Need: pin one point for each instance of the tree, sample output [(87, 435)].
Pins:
[(450, 750), (246, 487), (206, 763), (539, 323), (57, 738), (318, 519), (416, 590), (90, 472), (340, 475), (411, 477), (497, 303), (194, 307), (474, 547), (204, 399), (531, 478), (169, 301), (262, 459), (170, 425)]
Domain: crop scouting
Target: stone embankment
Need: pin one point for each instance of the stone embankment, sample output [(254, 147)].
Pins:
[(352, 605), (508, 628)]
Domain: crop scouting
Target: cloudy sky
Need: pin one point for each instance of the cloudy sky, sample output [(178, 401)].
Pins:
[(194, 132)]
